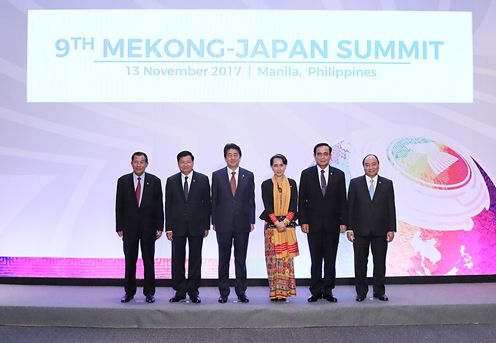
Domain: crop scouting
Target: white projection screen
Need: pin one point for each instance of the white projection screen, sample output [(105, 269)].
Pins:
[(85, 84)]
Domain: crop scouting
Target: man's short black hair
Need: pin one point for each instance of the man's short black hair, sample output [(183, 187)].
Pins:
[(319, 145), (139, 153), (232, 146), (185, 153)]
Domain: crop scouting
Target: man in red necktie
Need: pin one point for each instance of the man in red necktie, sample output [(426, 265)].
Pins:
[(233, 218), (139, 214)]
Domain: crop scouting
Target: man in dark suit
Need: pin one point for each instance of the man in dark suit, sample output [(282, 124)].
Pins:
[(139, 214), (322, 216), (372, 219), (233, 218), (187, 217)]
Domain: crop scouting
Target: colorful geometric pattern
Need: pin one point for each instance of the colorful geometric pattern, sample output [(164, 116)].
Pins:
[(429, 163)]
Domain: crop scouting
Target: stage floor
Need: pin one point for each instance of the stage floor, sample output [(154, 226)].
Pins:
[(100, 307)]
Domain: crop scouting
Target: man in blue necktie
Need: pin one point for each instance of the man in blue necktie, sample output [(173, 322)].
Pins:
[(372, 224)]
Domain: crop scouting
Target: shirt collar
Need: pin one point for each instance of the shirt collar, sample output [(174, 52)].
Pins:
[(326, 169), (368, 178), (229, 172), (190, 175), (135, 177)]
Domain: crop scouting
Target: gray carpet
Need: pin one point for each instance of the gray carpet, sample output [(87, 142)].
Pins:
[(404, 334), (99, 307)]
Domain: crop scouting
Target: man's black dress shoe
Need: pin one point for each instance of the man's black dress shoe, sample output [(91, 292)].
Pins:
[(330, 298), (127, 298), (150, 299), (360, 298), (381, 297), (222, 300), (177, 298), (243, 299), (195, 299), (313, 299)]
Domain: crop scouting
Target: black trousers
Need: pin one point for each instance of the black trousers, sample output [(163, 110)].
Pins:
[(361, 246), (225, 241), (323, 246), (179, 282), (131, 243)]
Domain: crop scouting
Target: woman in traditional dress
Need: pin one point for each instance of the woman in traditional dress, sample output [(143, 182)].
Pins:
[(279, 195)]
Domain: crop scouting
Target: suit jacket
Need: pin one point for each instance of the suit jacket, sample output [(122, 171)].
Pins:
[(268, 198), (192, 216), (233, 213), (145, 219), (374, 216), (322, 213)]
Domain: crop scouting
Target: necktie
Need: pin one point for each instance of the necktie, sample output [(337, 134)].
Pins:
[(138, 191), (186, 189), (323, 183), (233, 183), (371, 189)]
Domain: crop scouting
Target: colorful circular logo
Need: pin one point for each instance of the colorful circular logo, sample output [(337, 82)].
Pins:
[(429, 163)]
